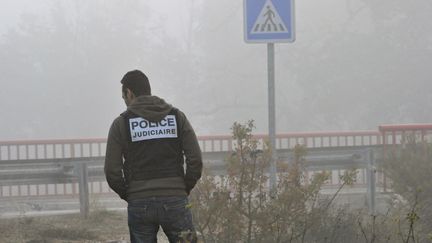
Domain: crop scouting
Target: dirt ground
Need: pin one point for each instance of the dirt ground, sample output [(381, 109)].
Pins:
[(101, 226)]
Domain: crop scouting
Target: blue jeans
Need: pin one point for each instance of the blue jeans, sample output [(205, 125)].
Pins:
[(171, 213)]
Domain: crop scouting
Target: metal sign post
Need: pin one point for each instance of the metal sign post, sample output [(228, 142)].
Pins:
[(270, 21), (371, 181), (272, 115), (83, 189)]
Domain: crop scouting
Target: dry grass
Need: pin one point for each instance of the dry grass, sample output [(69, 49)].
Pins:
[(101, 226)]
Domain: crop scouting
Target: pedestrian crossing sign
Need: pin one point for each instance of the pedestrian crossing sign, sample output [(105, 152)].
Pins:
[(269, 20)]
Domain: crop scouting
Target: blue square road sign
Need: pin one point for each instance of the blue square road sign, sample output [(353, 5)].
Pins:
[(269, 21)]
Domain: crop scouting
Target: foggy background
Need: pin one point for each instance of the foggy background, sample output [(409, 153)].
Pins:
[(355, 64)]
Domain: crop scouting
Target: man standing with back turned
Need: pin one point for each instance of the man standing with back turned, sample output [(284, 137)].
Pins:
[(146, 149)]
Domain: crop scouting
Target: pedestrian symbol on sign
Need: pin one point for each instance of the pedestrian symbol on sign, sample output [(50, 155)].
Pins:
[(269, 21)]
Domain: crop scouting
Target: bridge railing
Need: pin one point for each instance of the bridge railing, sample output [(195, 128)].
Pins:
[(95, 147), (74, 148), (31, 152), (398, 134), (52, 149), (289, 140)]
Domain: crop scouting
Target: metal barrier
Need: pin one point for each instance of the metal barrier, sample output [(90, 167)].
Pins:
[(78, 148), (50, 163), (289, 140), (51, 149), (394, 135)]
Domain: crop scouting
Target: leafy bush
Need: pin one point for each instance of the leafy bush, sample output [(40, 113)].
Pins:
[(238, 207)]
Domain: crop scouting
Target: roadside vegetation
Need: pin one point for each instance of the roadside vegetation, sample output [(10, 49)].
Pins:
[(237, 207)]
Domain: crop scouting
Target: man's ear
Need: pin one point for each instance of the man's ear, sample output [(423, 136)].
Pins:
[(129, 93)]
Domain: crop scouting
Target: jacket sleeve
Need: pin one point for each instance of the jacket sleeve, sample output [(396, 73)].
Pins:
[(114, 160), (192, 152)]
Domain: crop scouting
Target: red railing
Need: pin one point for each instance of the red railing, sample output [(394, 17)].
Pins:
[(49, 149), (397, 134), (76, 148), (94, 147), (289, 140)]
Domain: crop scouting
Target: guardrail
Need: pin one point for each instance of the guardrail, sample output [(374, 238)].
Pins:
[(81, 177), (52, 149), (58, 177), (95, 147), (51, 165), (289, 140)]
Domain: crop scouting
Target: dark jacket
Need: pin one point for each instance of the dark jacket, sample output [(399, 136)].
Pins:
[(153, 109)]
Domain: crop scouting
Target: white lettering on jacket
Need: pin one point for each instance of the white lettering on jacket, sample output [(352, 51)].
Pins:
[(141, 129)]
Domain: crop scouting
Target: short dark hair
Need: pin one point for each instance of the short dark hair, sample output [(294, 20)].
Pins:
[(137, 82)]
